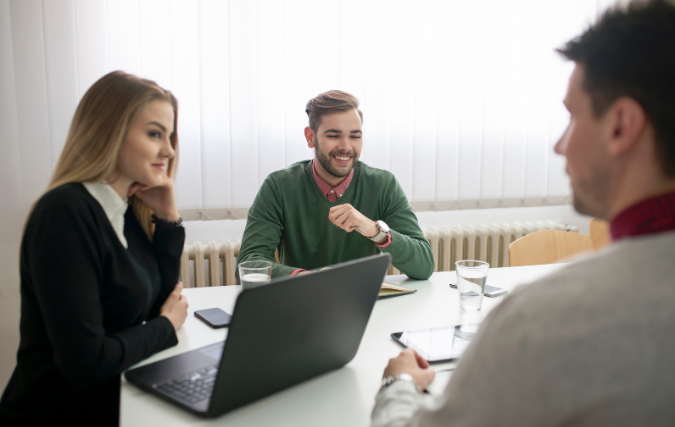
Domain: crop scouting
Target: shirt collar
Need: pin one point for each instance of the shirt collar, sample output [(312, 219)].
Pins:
[(325, 188), (112, 204), (650, 216)]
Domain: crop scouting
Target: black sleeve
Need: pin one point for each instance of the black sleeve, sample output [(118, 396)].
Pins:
[(167, 246), (64, 256)]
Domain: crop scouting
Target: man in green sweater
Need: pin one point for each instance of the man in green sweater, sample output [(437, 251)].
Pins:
[(333, 208)]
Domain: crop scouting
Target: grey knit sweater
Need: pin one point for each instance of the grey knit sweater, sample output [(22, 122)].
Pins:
[(591, 345)]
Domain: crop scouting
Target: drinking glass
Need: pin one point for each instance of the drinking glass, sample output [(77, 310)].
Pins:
[(254, 273), (471, 278)]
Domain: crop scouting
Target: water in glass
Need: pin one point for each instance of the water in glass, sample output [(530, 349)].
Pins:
[(251, 280), (471, 278)]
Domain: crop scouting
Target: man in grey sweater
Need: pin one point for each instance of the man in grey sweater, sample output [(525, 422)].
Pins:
[(593, 344)]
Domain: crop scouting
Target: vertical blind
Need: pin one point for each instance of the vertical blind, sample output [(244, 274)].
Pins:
[(461, 98)]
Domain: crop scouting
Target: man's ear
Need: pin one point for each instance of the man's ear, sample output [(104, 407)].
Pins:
[(309, 136), (627, 121)]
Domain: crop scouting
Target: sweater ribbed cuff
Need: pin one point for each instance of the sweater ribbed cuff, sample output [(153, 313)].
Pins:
[(397, 246)]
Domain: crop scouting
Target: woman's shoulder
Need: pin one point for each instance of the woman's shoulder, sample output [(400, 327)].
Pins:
[(72, 197)]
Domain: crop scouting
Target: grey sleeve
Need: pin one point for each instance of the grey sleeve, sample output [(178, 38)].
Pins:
[(396, 405), (498, 373), (400, 405)]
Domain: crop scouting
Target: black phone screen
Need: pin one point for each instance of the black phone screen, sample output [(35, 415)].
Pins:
[(438, 344), (214, 317)]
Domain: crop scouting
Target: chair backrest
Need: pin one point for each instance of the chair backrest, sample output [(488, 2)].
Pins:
[(547, 247), (599, 232)]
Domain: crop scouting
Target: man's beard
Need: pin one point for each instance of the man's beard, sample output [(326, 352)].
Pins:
[(327, 164)]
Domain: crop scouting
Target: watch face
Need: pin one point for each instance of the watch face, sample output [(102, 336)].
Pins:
[(406, 377), (383, 226)]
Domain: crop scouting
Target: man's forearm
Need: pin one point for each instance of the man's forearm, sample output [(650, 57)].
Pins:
[(411, 256)]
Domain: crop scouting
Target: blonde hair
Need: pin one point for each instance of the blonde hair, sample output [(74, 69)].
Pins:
[(98, 130)]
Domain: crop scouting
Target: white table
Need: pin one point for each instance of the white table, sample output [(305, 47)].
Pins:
[(344, 397)]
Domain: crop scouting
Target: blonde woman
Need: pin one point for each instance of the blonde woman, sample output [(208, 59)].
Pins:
[(100, 258)]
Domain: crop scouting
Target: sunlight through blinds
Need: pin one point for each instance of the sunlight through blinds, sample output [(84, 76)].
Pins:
[(461, 98)]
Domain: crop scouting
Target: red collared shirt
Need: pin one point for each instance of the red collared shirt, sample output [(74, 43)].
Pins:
[(332, 193), (650, 216)]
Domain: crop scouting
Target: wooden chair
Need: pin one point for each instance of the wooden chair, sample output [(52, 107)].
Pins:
[(599, 232), (547, 247)]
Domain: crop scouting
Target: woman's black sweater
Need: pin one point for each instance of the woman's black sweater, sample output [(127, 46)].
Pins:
[(89, 309)]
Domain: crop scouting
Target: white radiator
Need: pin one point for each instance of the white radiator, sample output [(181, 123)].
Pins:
[(220, 258), (484, 242), (213, 264)]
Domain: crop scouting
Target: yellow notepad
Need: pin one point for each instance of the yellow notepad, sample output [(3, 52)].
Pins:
[(392, 290)]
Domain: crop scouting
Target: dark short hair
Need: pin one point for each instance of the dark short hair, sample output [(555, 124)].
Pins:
[(327, 103), (630, 52)]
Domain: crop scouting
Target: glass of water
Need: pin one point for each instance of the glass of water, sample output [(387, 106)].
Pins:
[(254, 273), (471, 278)]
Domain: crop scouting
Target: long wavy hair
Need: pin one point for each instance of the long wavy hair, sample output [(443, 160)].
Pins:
[(98, 130)]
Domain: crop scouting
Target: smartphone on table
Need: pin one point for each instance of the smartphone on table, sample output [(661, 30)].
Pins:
[(489, 291), (214, 317)]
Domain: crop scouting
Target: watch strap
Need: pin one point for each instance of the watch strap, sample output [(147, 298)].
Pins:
[(391, 379), (381, 235)]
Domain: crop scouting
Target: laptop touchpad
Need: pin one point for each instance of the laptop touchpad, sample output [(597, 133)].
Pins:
[(214, 352)]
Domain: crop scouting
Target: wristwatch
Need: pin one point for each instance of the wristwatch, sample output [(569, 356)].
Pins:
[(384, 231), (387, 381)]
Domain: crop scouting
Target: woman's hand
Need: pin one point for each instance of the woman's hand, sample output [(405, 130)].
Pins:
[(161, 198), (175, 307)]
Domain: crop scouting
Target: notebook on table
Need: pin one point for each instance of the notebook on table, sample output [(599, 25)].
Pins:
[(281, 334), (391, 290)]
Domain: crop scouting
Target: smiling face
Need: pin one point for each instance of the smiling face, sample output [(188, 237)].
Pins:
[(146, 149), (337, 145), (584, 145)]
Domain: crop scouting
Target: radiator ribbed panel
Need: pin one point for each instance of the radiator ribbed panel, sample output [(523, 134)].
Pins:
[(485, 242), (221, 263)]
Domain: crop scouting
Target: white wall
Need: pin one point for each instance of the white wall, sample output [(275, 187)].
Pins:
[(13, 207)]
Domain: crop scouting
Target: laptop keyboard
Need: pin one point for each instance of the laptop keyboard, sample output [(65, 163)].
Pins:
[(193, 387)]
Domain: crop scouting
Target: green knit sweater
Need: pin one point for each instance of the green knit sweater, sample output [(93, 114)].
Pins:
[(291, 214)]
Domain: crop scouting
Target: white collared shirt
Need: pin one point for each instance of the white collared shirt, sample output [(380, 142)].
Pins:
[(112, 204)]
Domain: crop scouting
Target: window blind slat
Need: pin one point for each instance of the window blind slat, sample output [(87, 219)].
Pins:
[(91, 29), (215, 103), (185, 66), (243, 105), (425, 123), (124, 38), (377, 99), (270, 83), (61, 70), (31, 97), (297, 79), (449, 102), (401, 84)]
